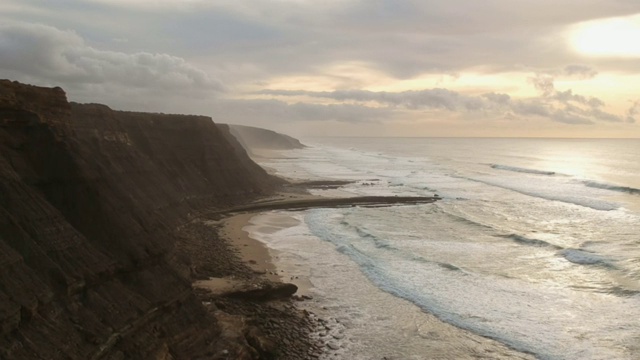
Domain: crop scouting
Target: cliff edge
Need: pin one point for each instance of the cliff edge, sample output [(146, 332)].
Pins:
[(256, 138), (91, 203)]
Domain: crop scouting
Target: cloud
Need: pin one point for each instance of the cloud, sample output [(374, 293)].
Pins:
[(400, 38), (559, 106), (258, 112), (63, 58), (580, 71), (530, 107), (502, 99), (178, 53), (568, 96), (568, 117), (632, 112), (415, 99), (543, 83)]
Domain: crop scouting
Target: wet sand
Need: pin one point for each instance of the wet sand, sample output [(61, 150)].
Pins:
[(259, 257), (405, 332), (428, 336)]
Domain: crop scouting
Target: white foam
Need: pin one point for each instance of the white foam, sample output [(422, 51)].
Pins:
[(555, 191), (522, 170), (582, 257), (363, 322), (505, 308), (450, 260)]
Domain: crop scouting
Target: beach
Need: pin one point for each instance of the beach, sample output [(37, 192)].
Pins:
[(405, 330)]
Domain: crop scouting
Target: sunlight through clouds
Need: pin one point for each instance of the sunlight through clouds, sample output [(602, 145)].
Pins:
[(501, 64), (614, 37)]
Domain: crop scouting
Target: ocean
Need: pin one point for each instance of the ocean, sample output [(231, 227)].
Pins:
[(535, 244)]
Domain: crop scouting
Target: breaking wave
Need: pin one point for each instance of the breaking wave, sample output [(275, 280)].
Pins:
[(529, 242), (377, 241), (582, 257), (521, 170), (577, 199), (612, 187)]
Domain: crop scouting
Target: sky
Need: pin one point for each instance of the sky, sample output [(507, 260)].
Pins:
[(491, 68)]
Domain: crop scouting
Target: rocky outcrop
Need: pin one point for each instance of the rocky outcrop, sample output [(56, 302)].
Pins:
[(246, 290), (257, 138), (90, 203)]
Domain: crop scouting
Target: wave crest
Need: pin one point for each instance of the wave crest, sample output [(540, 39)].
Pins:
[(522, 170), (612, 187), (582, 257), (530, 242)]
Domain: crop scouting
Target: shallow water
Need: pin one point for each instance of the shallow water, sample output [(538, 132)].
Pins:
[(535, 242)]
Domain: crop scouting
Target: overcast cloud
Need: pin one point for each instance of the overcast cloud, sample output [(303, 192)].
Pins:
[(282, 63), (564, 107)]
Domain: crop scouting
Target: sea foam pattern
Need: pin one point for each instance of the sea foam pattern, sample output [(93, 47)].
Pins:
[(540, 255)]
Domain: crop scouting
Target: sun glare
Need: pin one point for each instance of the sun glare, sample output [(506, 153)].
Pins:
[(613, 37)]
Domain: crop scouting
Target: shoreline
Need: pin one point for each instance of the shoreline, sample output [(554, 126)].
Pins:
[(259, 256), (251, 251), (255, 295), (445, 340)]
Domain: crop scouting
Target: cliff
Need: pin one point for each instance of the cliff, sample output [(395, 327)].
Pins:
[(256, 138), (92, 264)]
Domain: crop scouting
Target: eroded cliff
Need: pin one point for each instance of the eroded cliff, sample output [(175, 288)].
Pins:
[(90, 200), (256, 138)]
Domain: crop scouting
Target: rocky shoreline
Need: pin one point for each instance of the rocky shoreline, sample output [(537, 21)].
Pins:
[(255, 308), (258, 320)]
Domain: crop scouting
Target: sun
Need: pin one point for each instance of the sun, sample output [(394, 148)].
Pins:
[(612, 37)]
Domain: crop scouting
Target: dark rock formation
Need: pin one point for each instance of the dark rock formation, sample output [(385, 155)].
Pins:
[(90, 203), (257, 138), (265, 292)]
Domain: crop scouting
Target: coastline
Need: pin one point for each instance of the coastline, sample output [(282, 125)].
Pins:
[(255, 295), (406, 330), (251, 252), (333, 333), (259, 256)]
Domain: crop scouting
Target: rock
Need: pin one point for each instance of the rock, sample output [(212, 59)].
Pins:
[(265, 292), (263, 345), (333, 345)]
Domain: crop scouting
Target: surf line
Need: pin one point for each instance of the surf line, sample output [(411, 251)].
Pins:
[(324, 202)]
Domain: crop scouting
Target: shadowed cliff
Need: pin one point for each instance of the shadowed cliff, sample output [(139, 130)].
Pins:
[(90, 200)]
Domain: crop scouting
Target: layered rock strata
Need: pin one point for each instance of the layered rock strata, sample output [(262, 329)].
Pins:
[(93, 261)]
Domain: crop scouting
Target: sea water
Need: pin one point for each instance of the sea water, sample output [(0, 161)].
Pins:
[(535, 244)]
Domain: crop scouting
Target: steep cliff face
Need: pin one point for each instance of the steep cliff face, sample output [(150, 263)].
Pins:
[(257, 138), (90, 199)]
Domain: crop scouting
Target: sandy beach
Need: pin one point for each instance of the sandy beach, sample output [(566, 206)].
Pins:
[(253, 233), (257, 255), (336, 335)]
